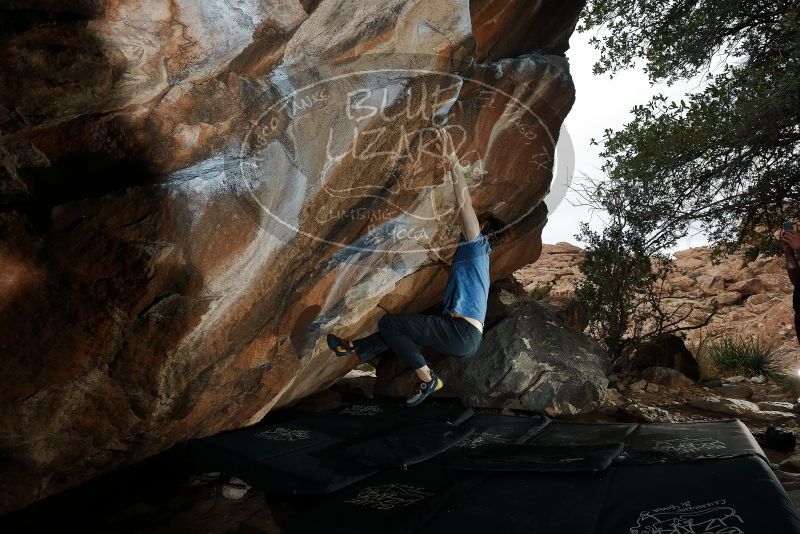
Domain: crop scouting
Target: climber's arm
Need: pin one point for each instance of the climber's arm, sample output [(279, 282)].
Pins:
[(469, 220)]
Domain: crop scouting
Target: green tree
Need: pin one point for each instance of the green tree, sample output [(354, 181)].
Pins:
[(726, 157), (624, 274)]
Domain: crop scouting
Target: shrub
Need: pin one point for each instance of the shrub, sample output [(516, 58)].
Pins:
[(745, 356), (625, 270), (540, 291)]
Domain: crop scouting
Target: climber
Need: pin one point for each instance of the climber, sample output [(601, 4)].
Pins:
[(458, 331), (790, 241)]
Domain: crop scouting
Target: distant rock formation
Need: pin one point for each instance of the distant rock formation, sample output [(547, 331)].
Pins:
[(193, 193), (752, 298)]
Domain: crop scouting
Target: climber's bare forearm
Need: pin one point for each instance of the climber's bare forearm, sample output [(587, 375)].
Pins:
[(469, 220)]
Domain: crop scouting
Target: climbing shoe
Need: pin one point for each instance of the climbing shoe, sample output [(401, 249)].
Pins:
[(423, 389), (340, 346)]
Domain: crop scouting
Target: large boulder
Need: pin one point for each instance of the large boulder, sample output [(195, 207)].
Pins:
[(666, 376), (751, 286), (637, 412), (740, 408), (667, 350), (529, 360), (193, 193), (725, 406), (735, 391)]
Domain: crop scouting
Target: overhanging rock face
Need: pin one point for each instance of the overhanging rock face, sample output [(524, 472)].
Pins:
[(194, 192)]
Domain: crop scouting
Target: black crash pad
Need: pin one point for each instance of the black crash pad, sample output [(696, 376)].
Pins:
[(541, 458), (392, 502), (716, 481), (407, 445), (540, 503), (681, 442), (502, 429), (319, 454), (561, 433), (722, 496), (433, 469)]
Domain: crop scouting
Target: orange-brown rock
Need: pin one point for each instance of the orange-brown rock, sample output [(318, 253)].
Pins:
[(193, 193), (558, 266), (753, 299)]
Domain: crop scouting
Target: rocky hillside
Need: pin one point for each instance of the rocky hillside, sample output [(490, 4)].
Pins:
[(750, 298), (193, 193)]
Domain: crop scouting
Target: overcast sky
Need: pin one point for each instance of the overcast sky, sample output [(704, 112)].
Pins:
[(600, 103)]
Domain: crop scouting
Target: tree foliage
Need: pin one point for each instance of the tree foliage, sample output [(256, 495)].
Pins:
[(726, 157), (624, 274)]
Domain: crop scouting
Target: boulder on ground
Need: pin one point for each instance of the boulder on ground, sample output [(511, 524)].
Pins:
[(529, 360), (636, 412), (613, 395), (666, 376), (771, 416), (667, 350), (791, 464), (712, 383), (741, 408), (723, 405), (776, 406), (735, 379), (735, 391)]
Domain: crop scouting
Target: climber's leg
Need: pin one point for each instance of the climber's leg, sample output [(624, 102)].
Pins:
[(796, 306), (370, 346), (365, 348), (404, 334)]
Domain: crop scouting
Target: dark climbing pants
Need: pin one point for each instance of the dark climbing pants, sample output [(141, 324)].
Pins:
[(796, 306), (404, 334)]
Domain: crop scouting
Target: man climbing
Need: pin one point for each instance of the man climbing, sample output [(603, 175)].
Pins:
[(790, 241), (458, 331)]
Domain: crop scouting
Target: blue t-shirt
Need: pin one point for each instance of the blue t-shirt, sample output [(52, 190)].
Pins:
[(467, 287)]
